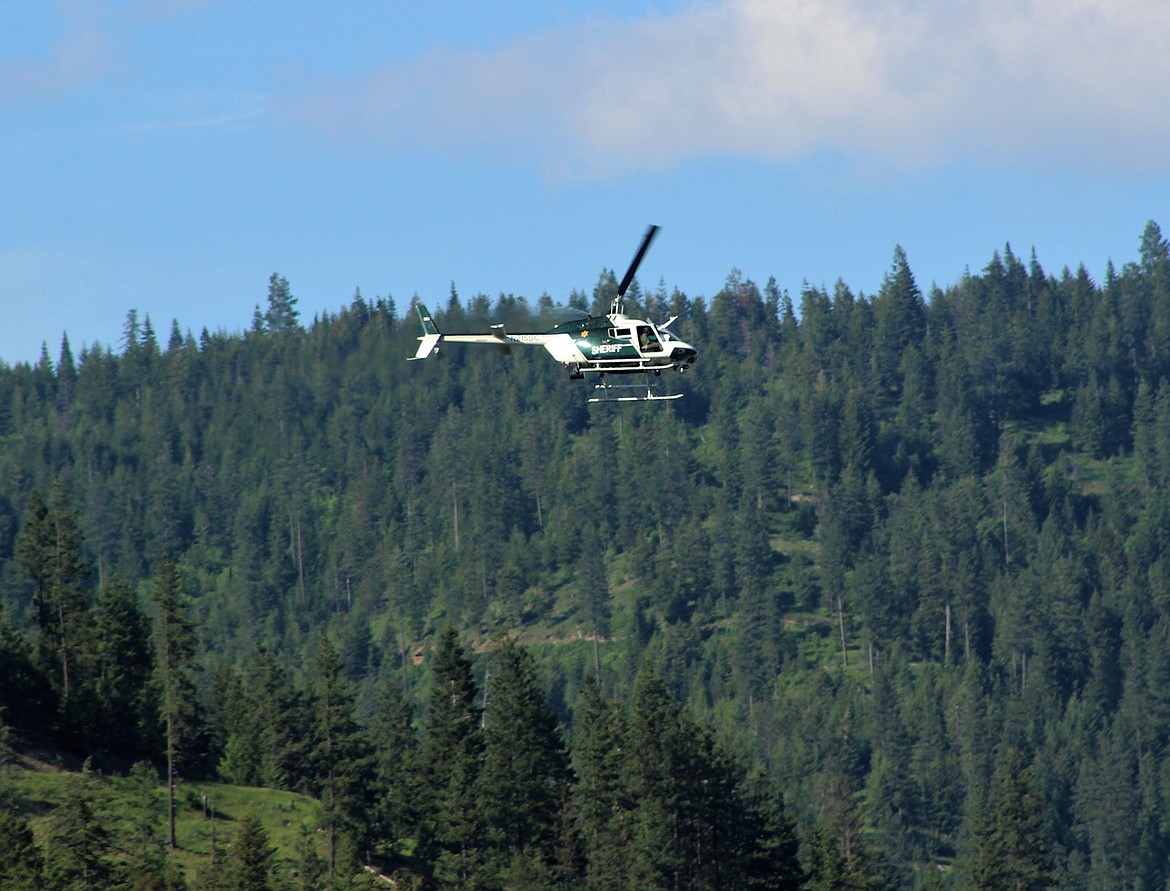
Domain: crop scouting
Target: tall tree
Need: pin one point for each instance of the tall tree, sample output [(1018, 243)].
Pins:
[(175, 649), (771, 847), (281, 316), (1010, 849), (395, 766), (126, 696), (344, 777), (282, 719), (452, 840), (26, 696), (838, 856), (239, 721), (49, 549), (901, 322), (525, 777), (600, 797)]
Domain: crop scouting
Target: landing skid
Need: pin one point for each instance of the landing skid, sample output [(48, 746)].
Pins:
[(647, 396)]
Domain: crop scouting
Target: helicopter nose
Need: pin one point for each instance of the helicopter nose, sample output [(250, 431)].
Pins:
[(684, 356)]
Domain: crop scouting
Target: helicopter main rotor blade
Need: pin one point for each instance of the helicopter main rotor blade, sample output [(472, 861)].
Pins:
[(629, 276)]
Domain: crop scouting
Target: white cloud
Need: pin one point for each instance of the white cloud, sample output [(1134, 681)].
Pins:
[(219, 113), (78, 57), (1079, 83)]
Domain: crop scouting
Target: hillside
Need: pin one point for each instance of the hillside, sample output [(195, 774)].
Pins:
[(901, 556), (126, 816)]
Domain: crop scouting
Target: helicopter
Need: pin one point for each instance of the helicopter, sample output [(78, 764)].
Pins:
[(613, 344)]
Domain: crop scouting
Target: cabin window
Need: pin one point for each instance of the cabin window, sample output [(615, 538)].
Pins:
[(648, 340), (619, 332)]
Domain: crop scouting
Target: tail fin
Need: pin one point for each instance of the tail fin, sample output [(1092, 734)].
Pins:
[(430, 336)]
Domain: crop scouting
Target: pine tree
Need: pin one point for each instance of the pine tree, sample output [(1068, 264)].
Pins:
[(1010, 851), (280, 723), (525, 775), (20, 856), (26, 697), (175, 650), (250, 860), (651, 777), (125, 664), (837, 852), (240, 720), (771, 846), (281, 316), (311, 866), (395, 766), (49, 549), (599, 796), (142, 838), (452, 840), (342, 756), (684, 826), (79, 842), (824, 863)]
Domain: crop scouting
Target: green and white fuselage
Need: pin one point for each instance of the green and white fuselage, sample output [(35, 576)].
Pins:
[(613, 344), (609, 344)]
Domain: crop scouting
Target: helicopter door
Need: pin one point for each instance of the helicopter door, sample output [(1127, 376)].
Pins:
[(648, 341)]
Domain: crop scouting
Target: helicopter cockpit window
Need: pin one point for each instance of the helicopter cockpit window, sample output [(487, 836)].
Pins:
[(648, 340)]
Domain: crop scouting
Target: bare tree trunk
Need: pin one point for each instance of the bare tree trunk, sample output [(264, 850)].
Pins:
[(64, 648), (171, 781), (841, 628), (455, 512), (947, 641)]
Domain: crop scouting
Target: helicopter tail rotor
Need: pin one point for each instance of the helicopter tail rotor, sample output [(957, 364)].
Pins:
[(429, 342)]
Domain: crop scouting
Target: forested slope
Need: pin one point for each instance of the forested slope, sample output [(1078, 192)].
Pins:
[(904, 553)]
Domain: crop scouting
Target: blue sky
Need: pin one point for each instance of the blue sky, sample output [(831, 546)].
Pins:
[(167, 156)]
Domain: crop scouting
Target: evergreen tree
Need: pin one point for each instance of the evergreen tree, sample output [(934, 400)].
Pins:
[(525, 778), (451, 841), (344, 763), (824, 864), (125, 664), (249, 861), (901, 322), (1009, 847), (279, 725), (771, 845), (240, 721), (599, 796), (26, 698), (311, 866), (20, 856), (685, 827), (49, 549), (281, 316), (395, 767), (142, 839), (837, 854), (79, 841), (175, 659)]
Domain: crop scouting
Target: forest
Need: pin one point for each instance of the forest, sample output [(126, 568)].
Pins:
[(882, 602)]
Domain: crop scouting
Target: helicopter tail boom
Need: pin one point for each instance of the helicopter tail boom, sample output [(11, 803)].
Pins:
[(559, 344)]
